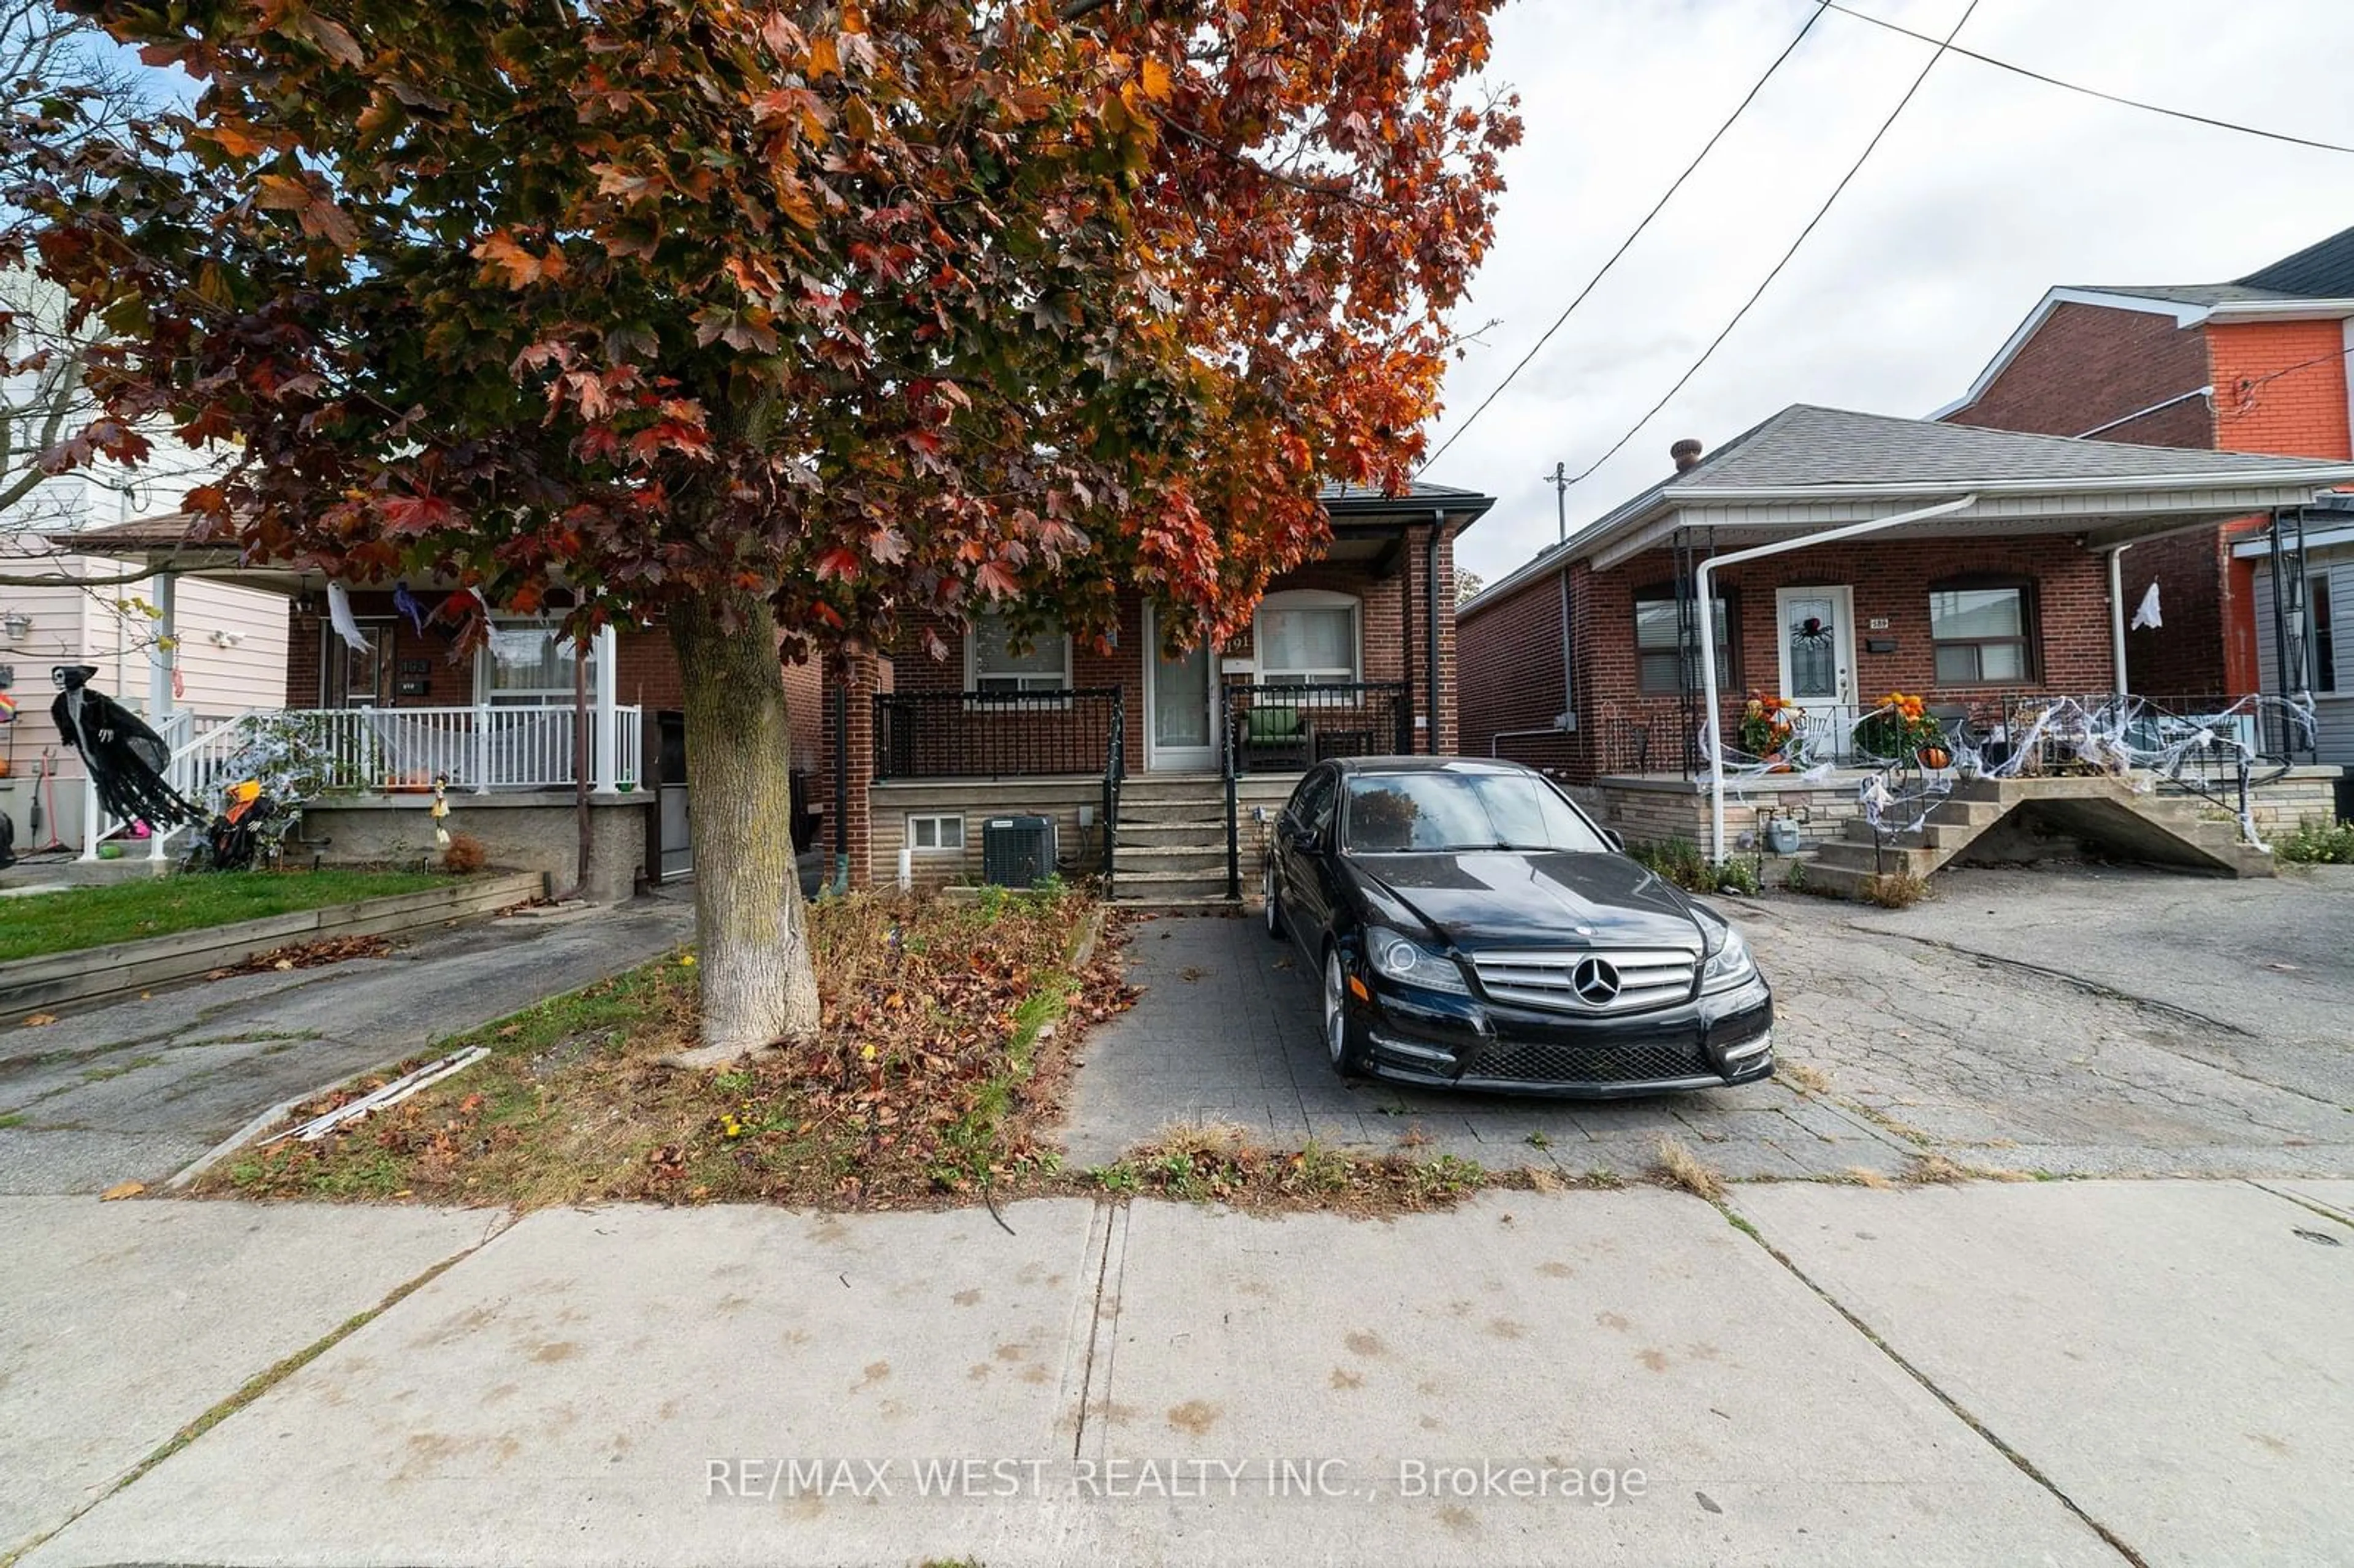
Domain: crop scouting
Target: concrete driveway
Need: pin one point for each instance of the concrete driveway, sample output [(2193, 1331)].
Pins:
[(2081, 1022), (137, 1090)]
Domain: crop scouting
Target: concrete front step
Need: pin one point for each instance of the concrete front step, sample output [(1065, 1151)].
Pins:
[(1128, 859), (1150, 833), (1152, 886), (1867, 860)]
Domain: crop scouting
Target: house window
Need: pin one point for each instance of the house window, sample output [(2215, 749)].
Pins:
[(1659, 670), (1979, 631), (993, 665), (2320, 637), (528, 664), (936, 832), (1307, 638)]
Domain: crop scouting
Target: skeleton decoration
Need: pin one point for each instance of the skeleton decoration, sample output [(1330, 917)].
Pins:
[(441, 810), (125, 759)]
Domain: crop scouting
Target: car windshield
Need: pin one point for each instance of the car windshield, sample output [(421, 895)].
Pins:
[(1395, 813)]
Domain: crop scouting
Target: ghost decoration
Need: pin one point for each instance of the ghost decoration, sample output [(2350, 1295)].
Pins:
[(2146, 618)]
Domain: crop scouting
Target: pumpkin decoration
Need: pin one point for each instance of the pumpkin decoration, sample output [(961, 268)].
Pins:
[(1935, 756)]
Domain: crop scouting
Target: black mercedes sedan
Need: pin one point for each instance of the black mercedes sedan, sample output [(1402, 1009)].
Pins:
[(1473, 929)]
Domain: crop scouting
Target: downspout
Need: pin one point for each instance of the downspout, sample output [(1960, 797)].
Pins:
[(1430, 586), (1708, 640), (1568, 682), (2117, 613)]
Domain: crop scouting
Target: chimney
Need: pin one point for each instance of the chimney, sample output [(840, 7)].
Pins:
[(1687, 454)]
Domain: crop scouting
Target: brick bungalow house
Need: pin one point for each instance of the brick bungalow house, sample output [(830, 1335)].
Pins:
[(1151, 764), (2261, 364), (1851, 555)]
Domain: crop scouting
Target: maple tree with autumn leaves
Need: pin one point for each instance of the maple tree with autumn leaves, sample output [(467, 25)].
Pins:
[(777, 322)]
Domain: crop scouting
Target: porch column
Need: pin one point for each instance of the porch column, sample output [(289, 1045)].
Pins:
[(162, 654), (850, 814), (608, 736), (2117, 613)]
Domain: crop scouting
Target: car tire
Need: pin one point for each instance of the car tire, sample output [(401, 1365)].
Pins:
[(1274, 902), (1344, 1037)]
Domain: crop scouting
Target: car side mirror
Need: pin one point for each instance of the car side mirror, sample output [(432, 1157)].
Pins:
[(1303, 838), (1614, 839)]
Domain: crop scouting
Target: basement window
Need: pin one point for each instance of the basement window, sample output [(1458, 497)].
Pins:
[(936, 833)]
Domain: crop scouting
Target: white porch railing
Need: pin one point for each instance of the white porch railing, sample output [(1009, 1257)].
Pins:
[(481, 748)]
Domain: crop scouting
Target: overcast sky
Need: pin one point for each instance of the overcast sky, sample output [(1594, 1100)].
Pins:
[(1990, 189)]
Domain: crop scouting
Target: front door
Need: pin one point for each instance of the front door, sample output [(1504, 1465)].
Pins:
[(1818, 642), (1178, 696)]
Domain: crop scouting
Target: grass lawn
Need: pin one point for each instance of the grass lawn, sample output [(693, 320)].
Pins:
[(75, 917), (933, 1079)]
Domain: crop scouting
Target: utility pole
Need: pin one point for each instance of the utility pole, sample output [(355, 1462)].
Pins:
[(1559, 480)]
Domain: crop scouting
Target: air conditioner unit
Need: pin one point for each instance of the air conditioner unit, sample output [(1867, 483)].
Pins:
[(1017, 852)]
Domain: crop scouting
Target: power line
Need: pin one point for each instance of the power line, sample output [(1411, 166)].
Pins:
[(1628, 243), (2091, 91), (1759, 292)]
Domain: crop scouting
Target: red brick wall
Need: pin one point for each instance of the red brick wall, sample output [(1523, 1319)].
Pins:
[(1510, 675), (1888, 579), (2088, 365), (2280, 387)]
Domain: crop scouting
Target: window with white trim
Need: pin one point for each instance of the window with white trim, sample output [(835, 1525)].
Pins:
[(991, 663), (1309, 637), (529, 663), (929, 833)]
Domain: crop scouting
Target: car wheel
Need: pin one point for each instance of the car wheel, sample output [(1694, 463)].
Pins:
[(1274, 905), (1343, 1037)]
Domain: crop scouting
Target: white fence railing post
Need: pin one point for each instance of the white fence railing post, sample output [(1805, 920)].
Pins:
[(481, 748)]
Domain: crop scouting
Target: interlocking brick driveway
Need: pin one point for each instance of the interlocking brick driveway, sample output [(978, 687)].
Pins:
[(2073, 1023), (1227, 1031)]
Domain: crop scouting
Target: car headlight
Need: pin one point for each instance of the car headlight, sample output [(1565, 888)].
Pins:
[(1405, 959), (1730, 966)]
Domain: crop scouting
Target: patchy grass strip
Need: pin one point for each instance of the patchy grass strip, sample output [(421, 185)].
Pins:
[(76, 918), (935, 1080)]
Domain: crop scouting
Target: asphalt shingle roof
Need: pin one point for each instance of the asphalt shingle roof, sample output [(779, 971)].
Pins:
[(2323, 270), (1805, 446)]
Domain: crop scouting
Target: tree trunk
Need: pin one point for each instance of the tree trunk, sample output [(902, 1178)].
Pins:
[(759, 986)]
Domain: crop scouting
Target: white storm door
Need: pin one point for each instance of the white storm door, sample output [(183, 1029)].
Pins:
[(1179, 736), (1816, 633)]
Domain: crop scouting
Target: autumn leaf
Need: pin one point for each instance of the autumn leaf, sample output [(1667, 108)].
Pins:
[(120, 1190)]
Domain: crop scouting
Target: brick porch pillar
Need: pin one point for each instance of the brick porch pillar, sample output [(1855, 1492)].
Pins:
[(851, 767)]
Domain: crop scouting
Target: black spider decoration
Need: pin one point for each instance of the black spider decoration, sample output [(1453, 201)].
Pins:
[(1812, 632)]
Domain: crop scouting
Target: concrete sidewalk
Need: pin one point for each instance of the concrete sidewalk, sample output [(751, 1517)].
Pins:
[(1988, 1374)]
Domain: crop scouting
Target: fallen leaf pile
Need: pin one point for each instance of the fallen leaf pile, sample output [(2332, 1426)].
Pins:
[(939, 1067), (309, 955)]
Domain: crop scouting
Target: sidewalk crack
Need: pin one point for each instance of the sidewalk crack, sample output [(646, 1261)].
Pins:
[(2020, 1461), (262, 1382)]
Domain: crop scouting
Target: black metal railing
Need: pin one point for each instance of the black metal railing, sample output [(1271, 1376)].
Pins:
[(998, 735), (1288, 728), (1115, 772), (1275, 728)]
